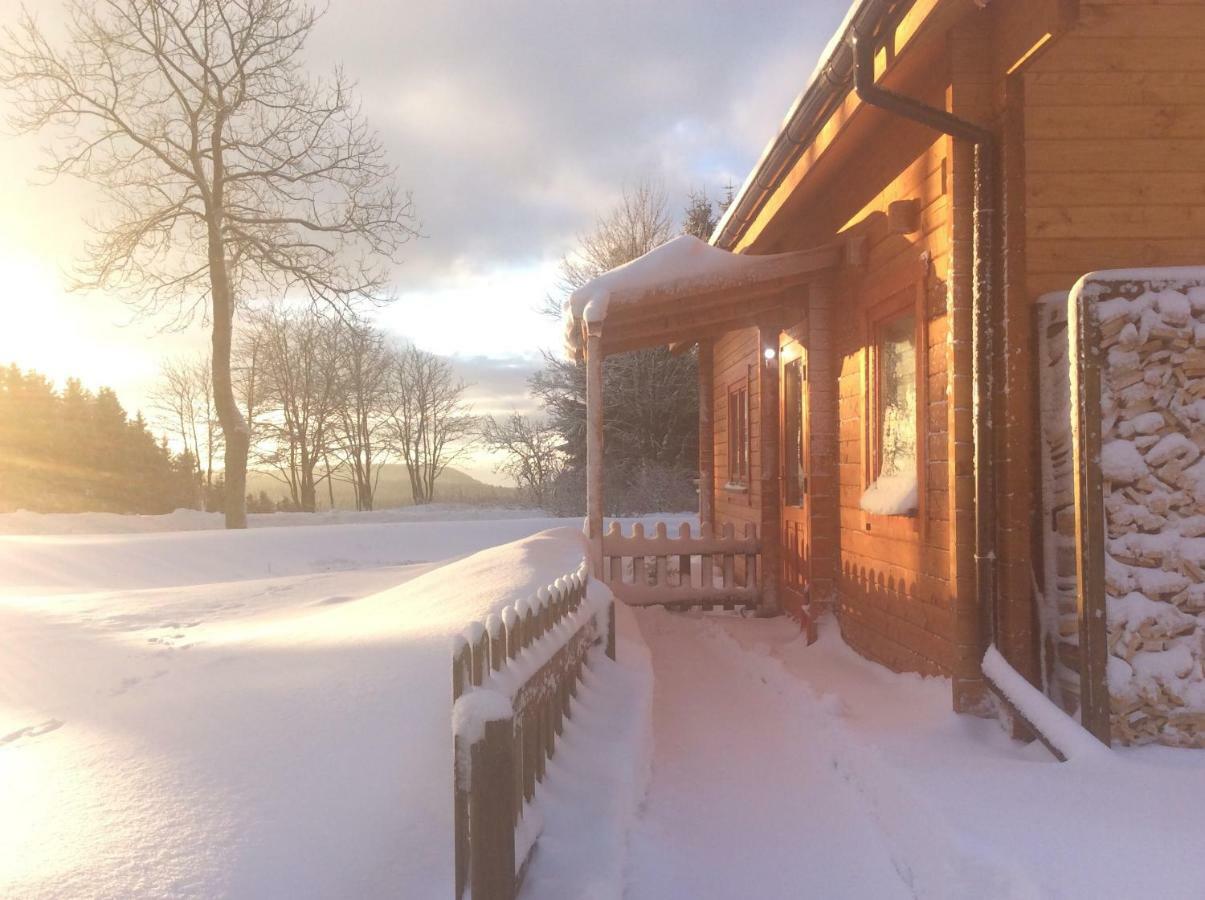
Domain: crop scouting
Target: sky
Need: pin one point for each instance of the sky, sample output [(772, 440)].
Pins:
[(514, 124)]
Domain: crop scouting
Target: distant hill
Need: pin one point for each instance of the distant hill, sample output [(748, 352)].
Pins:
[(393, 489)]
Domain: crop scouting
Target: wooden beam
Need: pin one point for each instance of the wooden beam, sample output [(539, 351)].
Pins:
[(778, 271), (768, 411), (706, 364), (685, 332), (594, 446), (656, 306)]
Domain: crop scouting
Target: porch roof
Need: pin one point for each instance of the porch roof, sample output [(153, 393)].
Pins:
[(685, 290)]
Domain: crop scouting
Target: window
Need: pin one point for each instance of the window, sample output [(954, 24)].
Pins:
[(794, 485), (894, 489), (738, 435)]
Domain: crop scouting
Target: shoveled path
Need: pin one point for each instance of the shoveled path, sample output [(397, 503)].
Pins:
[(742, 803)]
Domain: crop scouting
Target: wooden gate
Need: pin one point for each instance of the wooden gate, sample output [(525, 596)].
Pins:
[(706, 569)]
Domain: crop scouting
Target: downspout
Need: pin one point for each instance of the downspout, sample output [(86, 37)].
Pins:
[(982, 291)]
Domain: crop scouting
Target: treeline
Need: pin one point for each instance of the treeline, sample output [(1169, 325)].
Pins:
[(327, 398), (76, 451)]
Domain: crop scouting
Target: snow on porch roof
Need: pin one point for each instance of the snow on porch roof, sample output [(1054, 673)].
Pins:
[(680, 271)]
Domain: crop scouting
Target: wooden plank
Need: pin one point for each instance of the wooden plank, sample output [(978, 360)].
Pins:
[(1061, 255), (1114, 189), (1101, 122), (650, 595), (1097, 20), (491, 816), (661, 545), (1145, 222), (1116, 154), (1084, 336), (1073, 53), (1104, 89)]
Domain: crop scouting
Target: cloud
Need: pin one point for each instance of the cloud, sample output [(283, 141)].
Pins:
[(516, 123)]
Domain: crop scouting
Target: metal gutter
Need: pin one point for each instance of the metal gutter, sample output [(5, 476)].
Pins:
[(983, 291), (826, 89)]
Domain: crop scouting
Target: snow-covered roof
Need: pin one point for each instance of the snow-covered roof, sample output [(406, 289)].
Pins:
[(677, 270)]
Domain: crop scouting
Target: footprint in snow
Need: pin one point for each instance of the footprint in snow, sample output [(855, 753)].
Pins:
[(331, 601), (31, 731), (126, 684)]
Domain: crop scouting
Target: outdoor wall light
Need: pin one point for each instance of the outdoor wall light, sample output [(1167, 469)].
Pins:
[(770, 353)]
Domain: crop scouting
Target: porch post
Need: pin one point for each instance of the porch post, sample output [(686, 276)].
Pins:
[(824, 524), (768, 338), (594, 446), (706, 361)]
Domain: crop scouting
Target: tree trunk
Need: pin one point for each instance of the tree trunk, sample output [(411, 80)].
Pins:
[(234, 426)]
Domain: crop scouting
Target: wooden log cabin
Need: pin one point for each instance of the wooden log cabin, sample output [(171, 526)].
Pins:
[(864, 316)]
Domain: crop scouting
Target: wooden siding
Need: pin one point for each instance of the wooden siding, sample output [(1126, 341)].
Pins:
[(1100, 111), (734, 354), (1115, 143)]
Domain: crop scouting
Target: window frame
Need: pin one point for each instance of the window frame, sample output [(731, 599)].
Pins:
[(909, 299), (739, 443)]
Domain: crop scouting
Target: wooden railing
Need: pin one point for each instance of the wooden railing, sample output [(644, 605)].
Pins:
[(513, 678), (706, 569)]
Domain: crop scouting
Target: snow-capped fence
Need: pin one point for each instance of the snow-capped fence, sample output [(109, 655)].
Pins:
[(513, 678), (706, 569)]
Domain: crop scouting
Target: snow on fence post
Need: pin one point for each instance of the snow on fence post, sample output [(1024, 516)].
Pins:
[(513, 679)]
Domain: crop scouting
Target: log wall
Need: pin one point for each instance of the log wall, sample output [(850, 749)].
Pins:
[(1114, 143)]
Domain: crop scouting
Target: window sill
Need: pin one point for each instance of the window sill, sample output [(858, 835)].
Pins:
[(733, 487)]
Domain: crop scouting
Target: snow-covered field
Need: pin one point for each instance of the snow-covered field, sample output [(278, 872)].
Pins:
[(247, 714), (197, 713)]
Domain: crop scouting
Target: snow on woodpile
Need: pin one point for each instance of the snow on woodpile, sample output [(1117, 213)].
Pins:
[(1152, 325), (1057, 602)]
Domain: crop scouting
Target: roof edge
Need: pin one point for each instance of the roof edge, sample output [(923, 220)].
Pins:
[(830, 80)]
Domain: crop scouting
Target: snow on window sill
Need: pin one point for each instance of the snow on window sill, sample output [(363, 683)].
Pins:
[(891, 495), (735, 487)]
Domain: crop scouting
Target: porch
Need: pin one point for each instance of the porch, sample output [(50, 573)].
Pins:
[(687, 294)]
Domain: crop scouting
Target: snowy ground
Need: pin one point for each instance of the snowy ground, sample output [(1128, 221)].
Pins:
[(197, 713), (782, 770), (254, 714)]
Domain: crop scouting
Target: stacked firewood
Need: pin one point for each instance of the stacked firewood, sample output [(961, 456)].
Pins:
[(1152, 437)]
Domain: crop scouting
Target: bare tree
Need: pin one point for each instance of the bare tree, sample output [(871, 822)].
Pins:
[(432, 425), (638, 223), (366, 367), (532, 453), (184, 401), (301, 398), (650, 396), (231, 173)]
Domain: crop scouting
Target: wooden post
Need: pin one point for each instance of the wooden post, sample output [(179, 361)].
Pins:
[(611, 629), (822, 449), (767, 381), (492, 814), (706, 433), (462, 656), (1085, 350), (594, 447)]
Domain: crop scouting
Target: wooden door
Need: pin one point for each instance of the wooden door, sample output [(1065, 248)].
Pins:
[(793, 529)]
